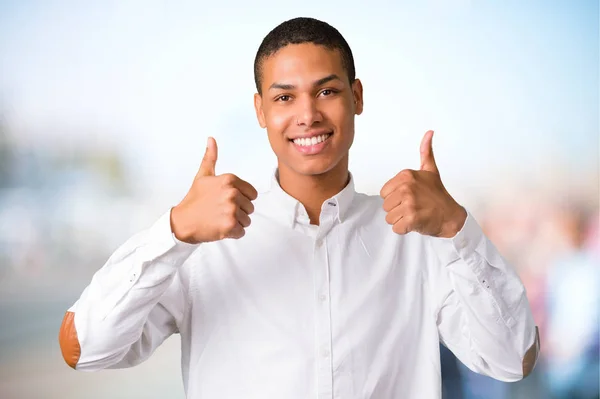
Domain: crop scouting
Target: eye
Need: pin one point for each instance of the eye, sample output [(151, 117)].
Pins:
[(327, 92), (283, 98)]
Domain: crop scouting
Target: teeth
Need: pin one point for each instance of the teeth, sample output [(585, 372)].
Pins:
[(305, 142)]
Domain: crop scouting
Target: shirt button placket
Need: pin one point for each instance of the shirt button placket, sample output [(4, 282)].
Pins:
[(323, 311)]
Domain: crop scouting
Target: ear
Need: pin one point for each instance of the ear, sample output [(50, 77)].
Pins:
[(357, 92), (259, 111)]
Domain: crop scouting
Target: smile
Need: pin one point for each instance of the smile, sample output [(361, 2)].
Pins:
[(310, 141), (311, 145)]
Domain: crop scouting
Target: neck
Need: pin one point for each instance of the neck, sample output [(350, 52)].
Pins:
[(313, 190)]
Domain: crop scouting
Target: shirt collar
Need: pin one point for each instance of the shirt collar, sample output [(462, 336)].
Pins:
[(291, 209)]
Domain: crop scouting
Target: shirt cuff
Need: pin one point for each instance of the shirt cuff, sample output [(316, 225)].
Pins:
[(183, 243), (463, 245), (162, 242)]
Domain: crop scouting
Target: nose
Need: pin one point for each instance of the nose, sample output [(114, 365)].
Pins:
[(308, 113)]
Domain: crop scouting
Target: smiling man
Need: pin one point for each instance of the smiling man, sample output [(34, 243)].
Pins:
[(310, 289)]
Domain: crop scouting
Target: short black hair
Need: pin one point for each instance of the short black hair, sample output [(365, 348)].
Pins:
[(303, 30)]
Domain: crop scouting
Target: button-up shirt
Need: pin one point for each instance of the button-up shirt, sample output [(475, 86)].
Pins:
[(343, 309)]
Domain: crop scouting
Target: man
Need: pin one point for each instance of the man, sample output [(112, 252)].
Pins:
[(324, 292), (573, 282)]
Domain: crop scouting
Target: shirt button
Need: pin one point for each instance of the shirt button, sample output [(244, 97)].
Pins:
[(322, 297), (319, 242), (325, 353)]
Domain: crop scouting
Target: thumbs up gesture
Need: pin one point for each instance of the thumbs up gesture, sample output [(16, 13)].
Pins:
[(215, 207), (416, 200)]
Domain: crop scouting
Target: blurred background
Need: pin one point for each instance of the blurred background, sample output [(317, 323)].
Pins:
[(105, 108)]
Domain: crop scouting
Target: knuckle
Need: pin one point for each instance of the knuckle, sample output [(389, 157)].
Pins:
[(410, 204), (408, 187), (413, 178), (228, 179), (411, 218), (408, 192), (407, 174), (231, 193), (229, 223), (412, 211), (230, 209)]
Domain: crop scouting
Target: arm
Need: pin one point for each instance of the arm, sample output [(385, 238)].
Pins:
[(481, 307), (133, 303), (139, 298), (482, 310)]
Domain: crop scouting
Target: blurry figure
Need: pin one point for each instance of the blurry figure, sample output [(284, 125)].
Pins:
[(573, 315), (592, 241)]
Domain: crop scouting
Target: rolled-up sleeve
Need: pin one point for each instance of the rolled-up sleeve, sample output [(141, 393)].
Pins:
[(481, 306)]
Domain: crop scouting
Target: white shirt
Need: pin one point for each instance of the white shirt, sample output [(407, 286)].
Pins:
[(347, 309)]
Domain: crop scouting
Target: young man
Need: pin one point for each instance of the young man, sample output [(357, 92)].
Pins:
[(328, 293)]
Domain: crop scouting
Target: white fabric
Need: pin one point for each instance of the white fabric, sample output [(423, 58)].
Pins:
[(346, 309)]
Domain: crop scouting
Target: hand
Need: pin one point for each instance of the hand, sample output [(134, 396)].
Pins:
[(416, 200), (215, 207)]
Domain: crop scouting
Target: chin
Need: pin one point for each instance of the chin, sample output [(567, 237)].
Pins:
[(314, 167)]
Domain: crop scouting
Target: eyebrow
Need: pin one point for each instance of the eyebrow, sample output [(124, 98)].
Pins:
[(316, 83)]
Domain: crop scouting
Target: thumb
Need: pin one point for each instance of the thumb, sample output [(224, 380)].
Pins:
[(427, 159), (207, 167)]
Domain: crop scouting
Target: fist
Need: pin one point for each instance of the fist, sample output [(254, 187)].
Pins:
[(215, 207), (416, 200)]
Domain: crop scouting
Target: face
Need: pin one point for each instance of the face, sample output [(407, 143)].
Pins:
[(308, 107)]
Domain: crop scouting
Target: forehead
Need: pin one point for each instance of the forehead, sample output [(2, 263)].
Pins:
[(296, 63)]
